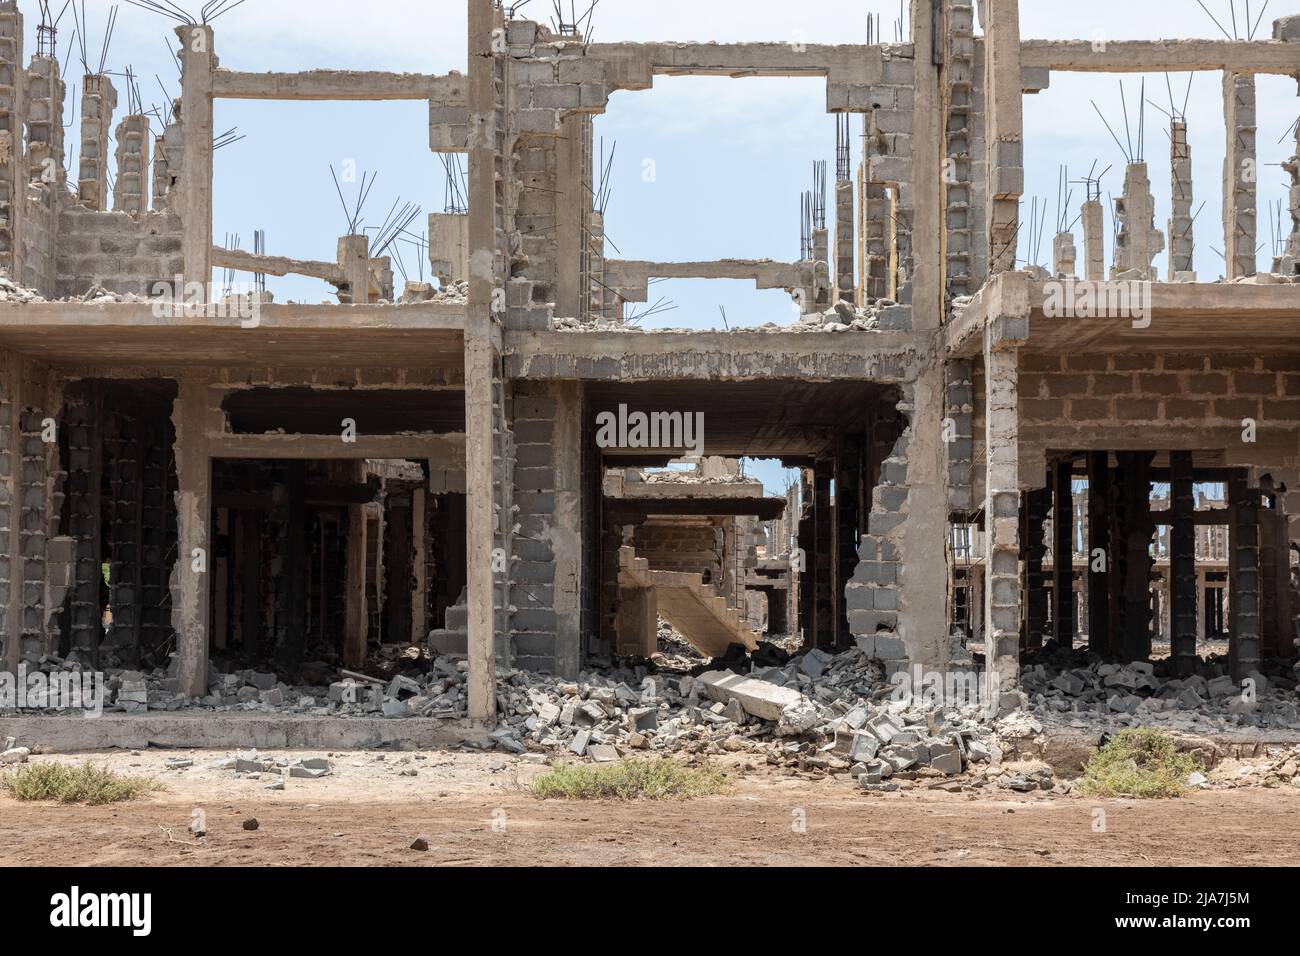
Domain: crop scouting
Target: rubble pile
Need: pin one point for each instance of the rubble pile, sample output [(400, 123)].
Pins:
[(818, 713), (880, 315), (1134, 694), (1279, 768)]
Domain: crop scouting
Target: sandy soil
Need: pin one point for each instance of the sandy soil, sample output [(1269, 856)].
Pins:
[(475, 809)]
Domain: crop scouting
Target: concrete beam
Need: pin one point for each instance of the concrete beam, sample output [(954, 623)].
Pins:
[(631, 277), (444, 452), (1157, 56), (444, 90), (705, 356), (636, 63), (242, 261)]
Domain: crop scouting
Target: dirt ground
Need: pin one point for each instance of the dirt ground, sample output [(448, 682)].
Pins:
[(475, 809)]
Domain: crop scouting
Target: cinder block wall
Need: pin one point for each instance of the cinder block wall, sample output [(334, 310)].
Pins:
[(1080, 402), (678, 545), (118, 252), (532, 572)]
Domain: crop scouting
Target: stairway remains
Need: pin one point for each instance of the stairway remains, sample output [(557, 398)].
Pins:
[(695, 609)]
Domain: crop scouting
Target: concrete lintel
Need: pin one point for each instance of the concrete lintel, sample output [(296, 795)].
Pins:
[(1156, 56), (437, 449), (889, 357), (241, 261), (631, 277), (446, 90), (636, 63)]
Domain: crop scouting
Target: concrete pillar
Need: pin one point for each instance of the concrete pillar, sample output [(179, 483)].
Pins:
[(11, 455), (420, 565), (873, 259), (1289, 262), (567, 529), (1240, 176), (1002, 597), (190, 584), (822, 561), (1063, 615), (45, 136), (13, 172), (484, 279), (822, 279), (98, 100), (960, 139), (1139, 239), (1004, 117), (133, 141), (1035, 507), (1064, 255), (573, 204), (168, 160), (844, 247), (1182, 563), (354, 260), (198, 62), (1135, 490), (1094, 241), (1243, 577), (1181, 241), (356, 610)]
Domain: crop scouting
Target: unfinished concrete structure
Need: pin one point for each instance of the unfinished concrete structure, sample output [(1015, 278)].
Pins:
[(239, 478)]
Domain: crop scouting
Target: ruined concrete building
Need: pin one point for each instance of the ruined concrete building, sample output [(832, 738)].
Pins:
[(185, 483)]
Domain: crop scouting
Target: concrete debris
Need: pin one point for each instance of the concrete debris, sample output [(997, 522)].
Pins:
[(841, 722), (15, 755), (1078, 691)]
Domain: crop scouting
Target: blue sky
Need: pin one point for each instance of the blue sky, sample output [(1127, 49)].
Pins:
[(731, 156)]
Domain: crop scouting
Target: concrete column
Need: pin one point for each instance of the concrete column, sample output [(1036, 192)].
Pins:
[(1002, 597), (1094, 241), (481, 525), (567, 529), (45, 137), (822, 279), (1135, 488), (190, 583), (1064, 255), (13, 172), (133, 142), (1240, 176), (420, 569), (1181, 241), (354, 260), (1289, 262), (198, 61), (1004, 117), (1182, 563), (1063, 615), (356, 610), (11, 455), (823, 560), (98, 100), (572, 211), (1139, 239), (1200, 605), (924, 261), (1243, 577), (844, 248), (1035, 507)]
